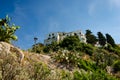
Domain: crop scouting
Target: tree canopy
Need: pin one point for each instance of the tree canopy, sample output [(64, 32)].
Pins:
[(91, 39), (110, 40), (101, 39), (70, 42)]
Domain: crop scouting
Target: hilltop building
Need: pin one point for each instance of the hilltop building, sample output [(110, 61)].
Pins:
[(59, 36)]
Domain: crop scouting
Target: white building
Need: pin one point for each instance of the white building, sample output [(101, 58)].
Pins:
[(59, 36)]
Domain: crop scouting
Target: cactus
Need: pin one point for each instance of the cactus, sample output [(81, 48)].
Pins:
[(7, 30)]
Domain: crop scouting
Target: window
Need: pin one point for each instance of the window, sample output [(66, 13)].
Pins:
[(75, 34), (80, 33), (48, 38), (63, 34), (53, 37), (53, 34)]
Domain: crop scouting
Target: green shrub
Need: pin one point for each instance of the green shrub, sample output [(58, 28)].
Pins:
[(102, 60), (86, 65), (41, 71), (10, 69), (66, 75), (51, 47), (60, 74), (88, 49), (116, 66), (109, 48), (46, 49), (37, 48), (7, 31), (67, 57), (70, 42), (73, 59), (95, 75), (115, 49), (101, 75), (78, 76)]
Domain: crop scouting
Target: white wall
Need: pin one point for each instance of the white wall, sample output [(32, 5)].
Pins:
[(58, 36)]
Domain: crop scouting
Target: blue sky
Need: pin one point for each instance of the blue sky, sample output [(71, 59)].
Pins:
[(40, 17)]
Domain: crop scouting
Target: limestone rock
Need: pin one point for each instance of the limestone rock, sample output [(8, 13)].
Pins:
[(7, 49)]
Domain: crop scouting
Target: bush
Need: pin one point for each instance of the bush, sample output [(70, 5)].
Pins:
[(73, 59), (38, 48), (95, 75), (7, 31), (101, 60), (104, 58), (70, 42), (66, 75), (109, 48), (41, 71), (46, 49), (86, 65), (10, 69), (116, 66), (79, 76), (66, 57), (51, 47), (101, 75), (87, 48), (115, 49)]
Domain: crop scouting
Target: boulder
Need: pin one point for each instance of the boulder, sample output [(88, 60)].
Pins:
[(7, 49)]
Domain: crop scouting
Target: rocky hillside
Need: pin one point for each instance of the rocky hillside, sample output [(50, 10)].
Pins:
[(22, 57), (16, 64)]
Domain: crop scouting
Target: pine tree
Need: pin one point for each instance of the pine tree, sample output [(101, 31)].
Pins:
[(101, 39), (91, 39), (110, 40)]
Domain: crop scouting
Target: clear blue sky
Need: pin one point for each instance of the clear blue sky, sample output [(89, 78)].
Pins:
[(40, 17)]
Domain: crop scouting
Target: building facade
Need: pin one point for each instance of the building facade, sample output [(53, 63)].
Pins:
[(59, 36)]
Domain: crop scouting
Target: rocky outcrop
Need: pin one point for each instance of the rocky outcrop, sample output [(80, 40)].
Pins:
[(7, 49)]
